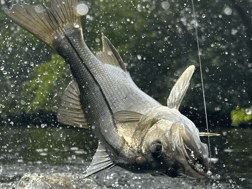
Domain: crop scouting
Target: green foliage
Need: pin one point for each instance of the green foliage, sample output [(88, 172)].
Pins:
[(19, 51), (158, 43), (240, 115), (41, 89)]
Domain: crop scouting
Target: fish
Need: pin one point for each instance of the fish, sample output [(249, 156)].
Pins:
[(134, 131)]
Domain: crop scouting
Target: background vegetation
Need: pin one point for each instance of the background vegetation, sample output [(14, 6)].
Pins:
[(157, 40)]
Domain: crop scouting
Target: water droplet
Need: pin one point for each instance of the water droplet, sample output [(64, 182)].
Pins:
[(234, 31), (165, 5), (43, 154), (139, 57), (39, 9), (76, 25), (192, 154), (82, 8), (209, 173), (248, 111), (227, 10), (74, 148), (213, 160), (39, 150), (228, 150), (43, 125), (22, 102)]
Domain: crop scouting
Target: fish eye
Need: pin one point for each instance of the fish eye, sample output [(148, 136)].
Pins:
[(156, 147)]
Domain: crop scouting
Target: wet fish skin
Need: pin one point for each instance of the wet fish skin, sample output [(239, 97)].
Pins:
[(150, 137), (73, 49), (173, 134)]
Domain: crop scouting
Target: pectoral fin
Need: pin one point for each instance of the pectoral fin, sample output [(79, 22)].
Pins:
[(101, 160), (109, 54), (127, 116), (208, 134), (179, 89), (70, 111)]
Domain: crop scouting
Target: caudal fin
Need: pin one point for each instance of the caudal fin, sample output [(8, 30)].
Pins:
[(46, 22)]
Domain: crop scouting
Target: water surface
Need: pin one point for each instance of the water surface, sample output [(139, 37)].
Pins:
[(45, 149)]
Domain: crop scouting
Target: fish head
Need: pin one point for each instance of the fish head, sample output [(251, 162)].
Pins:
[(174, 150), (167, 142)]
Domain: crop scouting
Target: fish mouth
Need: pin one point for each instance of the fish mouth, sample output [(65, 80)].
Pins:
[(189, 153), (198, 165), (181, 165), (193, 161)]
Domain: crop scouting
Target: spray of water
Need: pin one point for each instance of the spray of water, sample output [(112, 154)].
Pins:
[(202, 81)]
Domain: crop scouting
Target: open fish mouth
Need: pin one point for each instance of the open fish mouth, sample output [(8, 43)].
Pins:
[(195, 162), (190, 154), (195, 165)]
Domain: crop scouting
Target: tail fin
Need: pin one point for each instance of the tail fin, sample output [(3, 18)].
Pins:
[(46, 22)]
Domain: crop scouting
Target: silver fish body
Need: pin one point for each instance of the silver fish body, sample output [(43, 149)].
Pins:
[(134, 130), (104, 89)]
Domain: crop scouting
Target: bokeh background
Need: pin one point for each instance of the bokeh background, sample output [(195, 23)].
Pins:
[(157, 41)]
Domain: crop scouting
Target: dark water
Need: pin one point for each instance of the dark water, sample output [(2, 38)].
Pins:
[(44, 149)]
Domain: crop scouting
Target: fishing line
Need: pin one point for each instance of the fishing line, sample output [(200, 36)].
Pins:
[(202, 81)]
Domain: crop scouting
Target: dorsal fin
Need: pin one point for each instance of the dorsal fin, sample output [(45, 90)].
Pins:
[(101, 160), (109, 54), (179, 89), (70, 111)]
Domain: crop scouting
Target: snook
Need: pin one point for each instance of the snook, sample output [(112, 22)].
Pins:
[(134, 130)]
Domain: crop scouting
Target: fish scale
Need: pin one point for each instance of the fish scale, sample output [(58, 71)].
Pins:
[(93, 103), (115, 83), (129, 124)]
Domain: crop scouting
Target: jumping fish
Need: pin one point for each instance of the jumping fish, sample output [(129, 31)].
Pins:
[(134, 131)]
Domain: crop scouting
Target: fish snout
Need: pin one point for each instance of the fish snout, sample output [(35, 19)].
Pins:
[(190, 153)]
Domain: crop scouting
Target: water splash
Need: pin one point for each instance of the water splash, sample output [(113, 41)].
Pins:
[(82, 8)]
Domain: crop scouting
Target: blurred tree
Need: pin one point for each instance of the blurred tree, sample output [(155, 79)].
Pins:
[(19, 52), (157, 40)]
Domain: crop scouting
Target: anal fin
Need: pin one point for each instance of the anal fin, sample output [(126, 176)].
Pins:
[(101, 160)]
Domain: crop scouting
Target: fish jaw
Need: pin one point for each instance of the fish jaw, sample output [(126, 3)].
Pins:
[(190, 154), (182, 152)]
